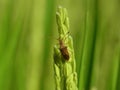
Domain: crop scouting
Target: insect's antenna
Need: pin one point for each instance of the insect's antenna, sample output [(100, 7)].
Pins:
[(66, 35)]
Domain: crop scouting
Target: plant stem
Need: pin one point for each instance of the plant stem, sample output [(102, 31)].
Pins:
[(65, 70)]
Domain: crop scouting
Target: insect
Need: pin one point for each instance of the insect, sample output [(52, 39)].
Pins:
[(64, 50)]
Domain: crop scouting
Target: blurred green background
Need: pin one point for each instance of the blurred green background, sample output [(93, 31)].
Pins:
[(28, 33)]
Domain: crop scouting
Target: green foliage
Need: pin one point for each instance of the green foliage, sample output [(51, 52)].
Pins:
[(27, 37), (65, 68)]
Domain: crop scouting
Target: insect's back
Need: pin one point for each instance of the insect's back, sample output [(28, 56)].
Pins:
[(64, 52)]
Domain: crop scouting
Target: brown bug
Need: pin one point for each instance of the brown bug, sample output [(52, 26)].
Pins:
[(64, 50)]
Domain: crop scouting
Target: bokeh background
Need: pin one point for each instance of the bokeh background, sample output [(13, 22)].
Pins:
[(28, 33)]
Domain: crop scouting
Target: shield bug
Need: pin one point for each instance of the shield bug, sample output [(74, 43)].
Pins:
[(63, 49)]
